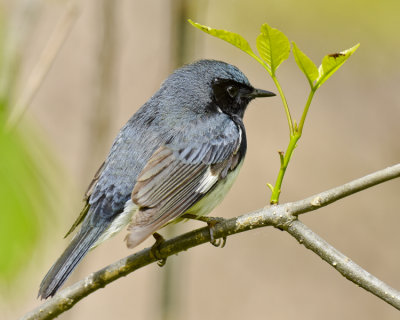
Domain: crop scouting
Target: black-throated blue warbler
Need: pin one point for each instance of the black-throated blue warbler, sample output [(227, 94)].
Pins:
[(179, 153)]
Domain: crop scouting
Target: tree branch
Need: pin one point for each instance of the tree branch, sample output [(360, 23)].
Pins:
[(327, 197), (343, 264), (280, 216)]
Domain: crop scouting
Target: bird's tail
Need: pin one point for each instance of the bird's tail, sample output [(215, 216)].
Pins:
[(68, 261)]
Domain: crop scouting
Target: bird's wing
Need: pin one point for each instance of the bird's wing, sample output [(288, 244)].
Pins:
[(85, 209), (174, 179)]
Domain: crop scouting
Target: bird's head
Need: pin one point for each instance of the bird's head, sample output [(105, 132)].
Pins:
[(216, 86), (232, 96)]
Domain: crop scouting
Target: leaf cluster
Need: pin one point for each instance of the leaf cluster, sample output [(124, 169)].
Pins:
[(274, 48)]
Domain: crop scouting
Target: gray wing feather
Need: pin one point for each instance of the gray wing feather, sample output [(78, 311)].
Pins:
[(175, 178), (168, 187)]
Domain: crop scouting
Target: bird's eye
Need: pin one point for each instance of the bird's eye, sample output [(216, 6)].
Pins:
[(232, 91)]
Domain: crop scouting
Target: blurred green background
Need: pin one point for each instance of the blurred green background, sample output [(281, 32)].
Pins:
[(114, 58)]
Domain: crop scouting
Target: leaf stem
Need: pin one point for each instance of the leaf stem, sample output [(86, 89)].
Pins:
[(294, 130), (305, 111), (277, 188), (294, 138), (285, 104)]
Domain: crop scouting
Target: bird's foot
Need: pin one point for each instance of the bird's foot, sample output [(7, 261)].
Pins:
[(211, 222), (154, 251)]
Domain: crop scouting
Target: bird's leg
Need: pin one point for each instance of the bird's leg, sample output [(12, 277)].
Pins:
[(211, 222), (154, 251)]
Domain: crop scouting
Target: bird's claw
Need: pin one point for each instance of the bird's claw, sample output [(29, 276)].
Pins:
[(154, 250), (211, 222), (218, 242)]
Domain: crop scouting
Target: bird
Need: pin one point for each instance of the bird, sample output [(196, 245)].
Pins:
[(178, 154)]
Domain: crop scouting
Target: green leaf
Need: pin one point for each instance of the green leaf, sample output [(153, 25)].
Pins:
[(24, 203), (28, 199), (305, 64), (231, 37), (331, 63), (273, 46)]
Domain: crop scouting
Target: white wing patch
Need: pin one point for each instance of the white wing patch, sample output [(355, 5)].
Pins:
[(212, 199), (207, 182), (240, 140)]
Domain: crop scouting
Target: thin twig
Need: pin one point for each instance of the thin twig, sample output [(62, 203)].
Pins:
[(281, 216), (20, 23), (324, 198), (43, 65), (104, 102)]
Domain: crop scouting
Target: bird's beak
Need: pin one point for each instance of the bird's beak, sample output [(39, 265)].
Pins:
[(259, 93)]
